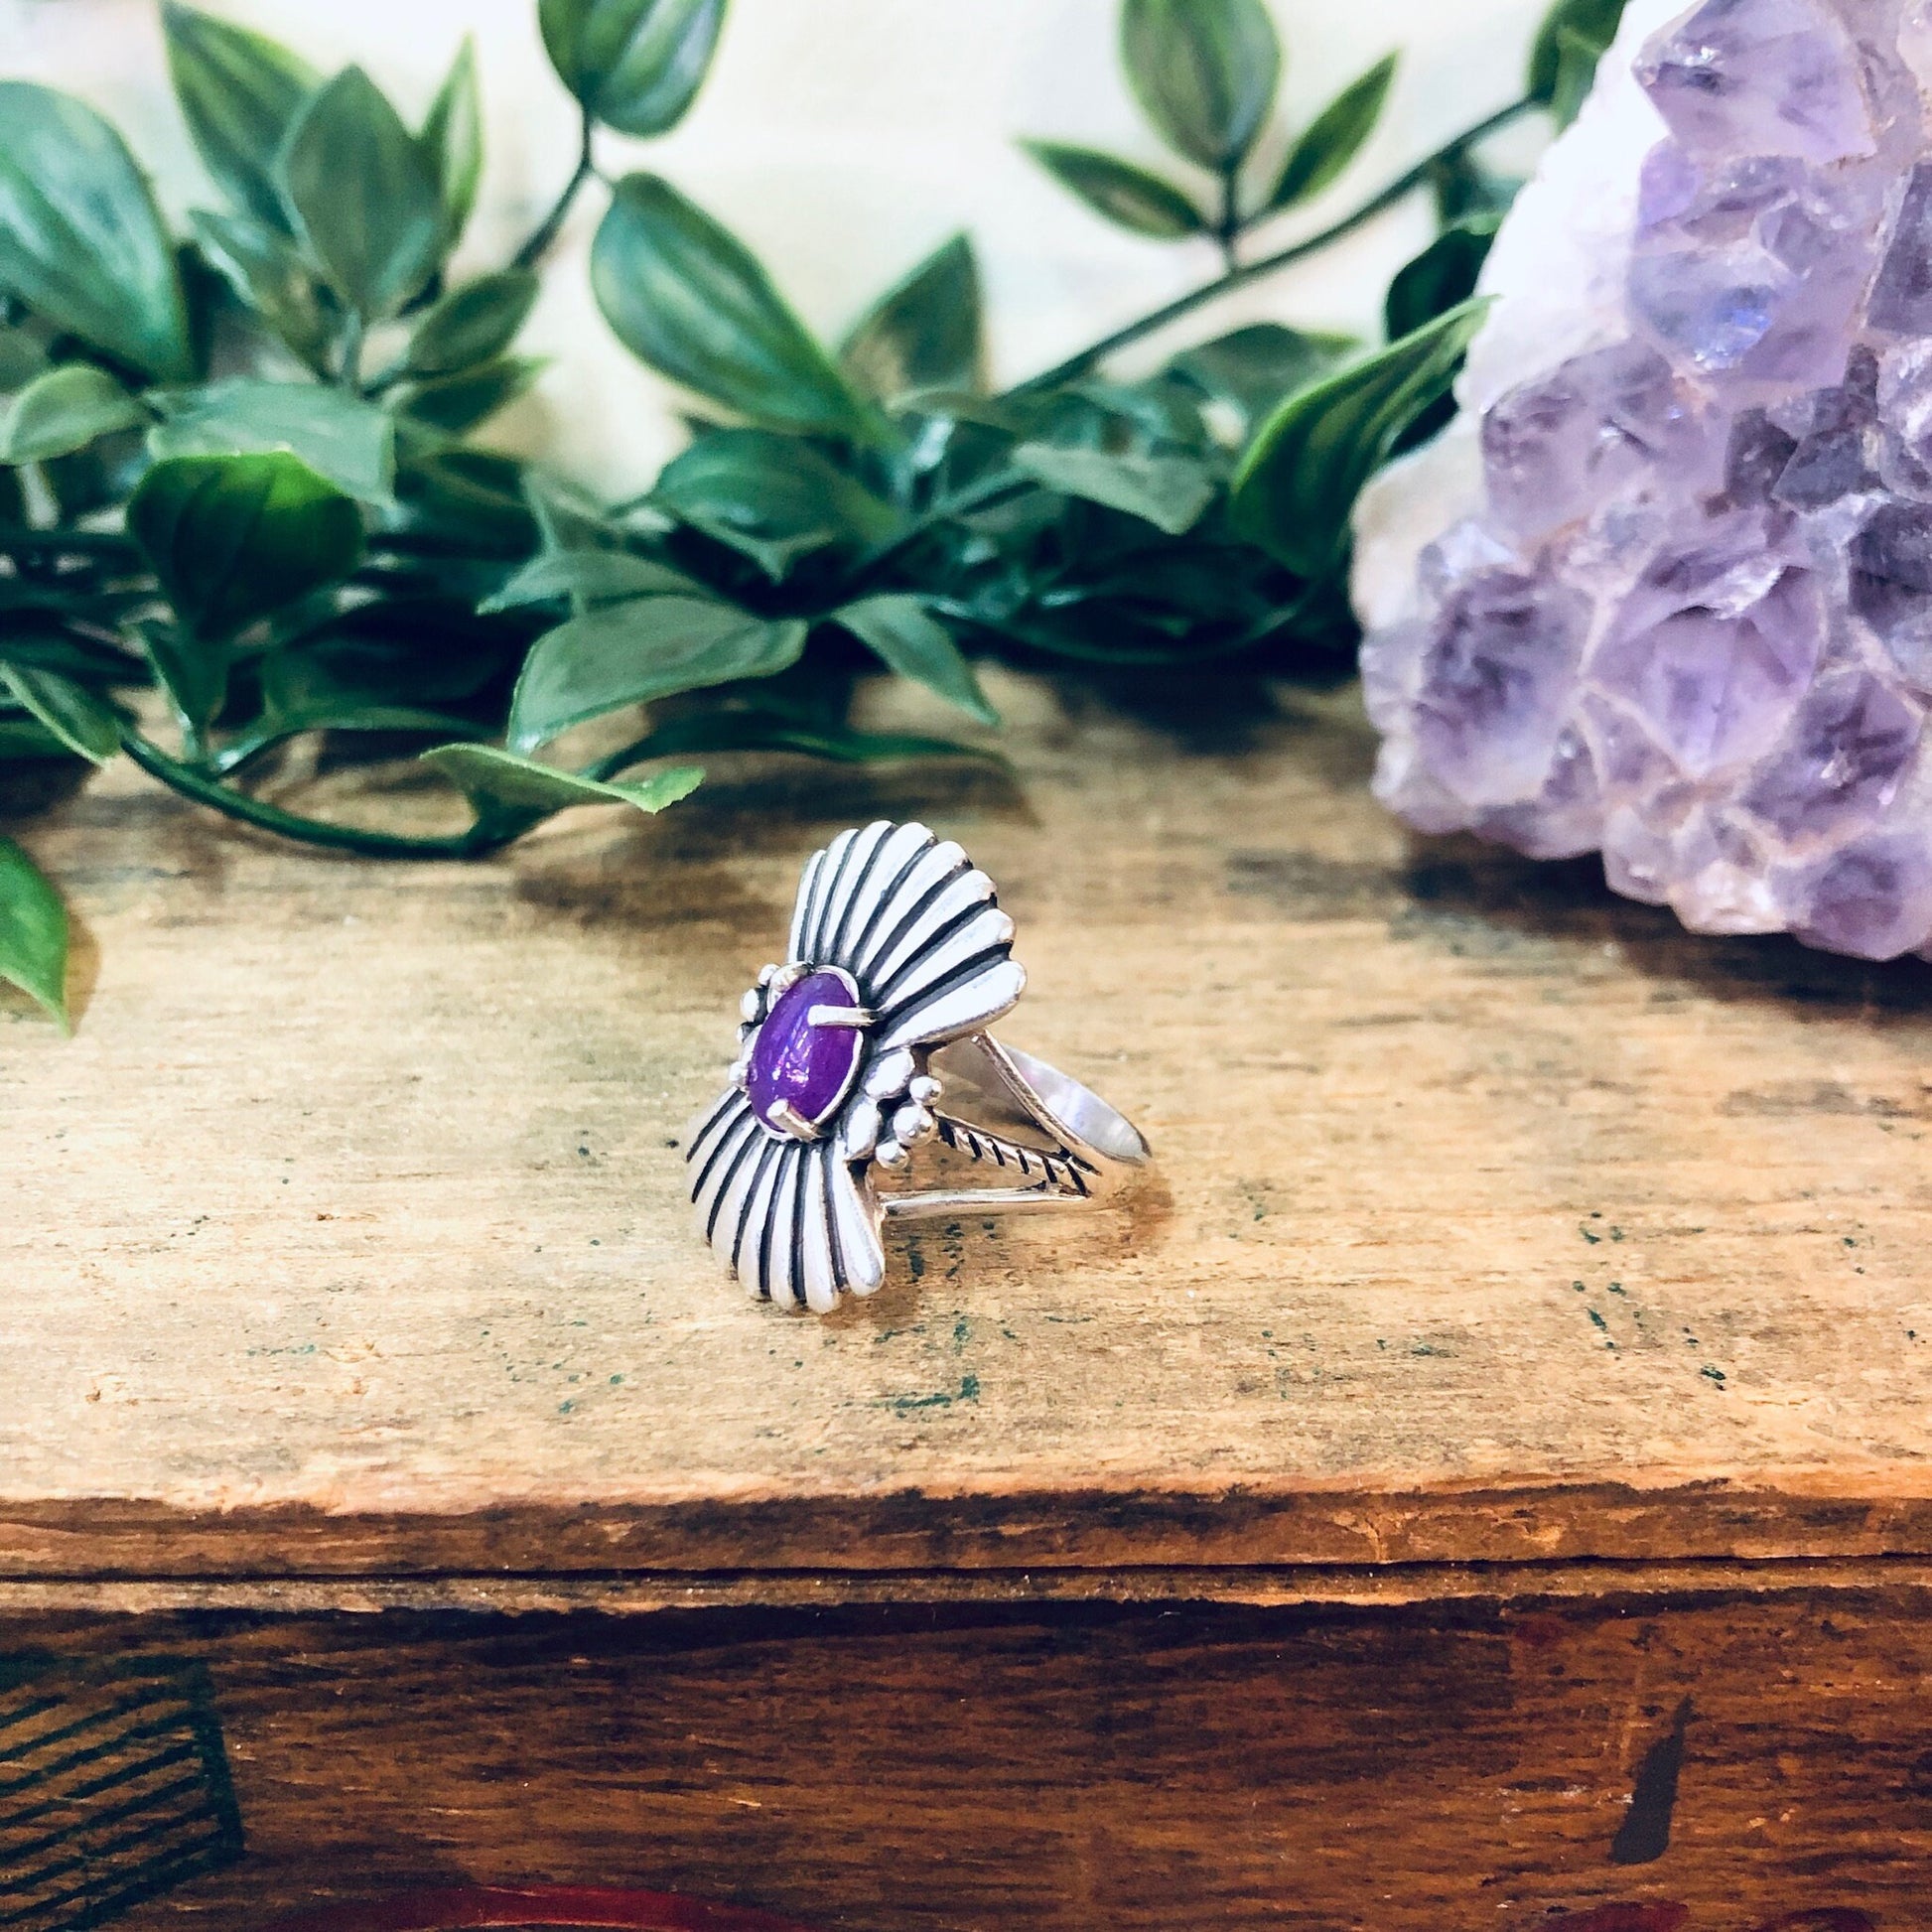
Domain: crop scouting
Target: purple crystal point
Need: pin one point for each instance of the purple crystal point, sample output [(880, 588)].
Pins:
[(1688, 623), (1495, 680), (1556, 446), (1759, 77), (809, 1067), (1901, 299), (1711, 667), (1751, 263), (1872, 898), (1841, 762)]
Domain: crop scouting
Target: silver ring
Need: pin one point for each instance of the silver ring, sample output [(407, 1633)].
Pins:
[(870, 1042)]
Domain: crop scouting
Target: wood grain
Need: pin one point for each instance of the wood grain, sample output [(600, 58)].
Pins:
[(1500, 1220), (1098, 1769)]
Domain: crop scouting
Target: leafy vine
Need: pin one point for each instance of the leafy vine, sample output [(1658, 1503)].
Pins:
[(241, 504)]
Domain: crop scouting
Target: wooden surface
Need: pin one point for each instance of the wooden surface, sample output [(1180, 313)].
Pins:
[(1105, 1770), (1500, 1221)]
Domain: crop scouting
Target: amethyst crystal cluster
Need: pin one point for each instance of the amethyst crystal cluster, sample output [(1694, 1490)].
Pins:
[(1687, 620)]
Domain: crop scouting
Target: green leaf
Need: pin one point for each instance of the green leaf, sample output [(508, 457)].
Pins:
[(469, 502), (1298, 482), (1169, 492), (1441, 276), (1463, 188), (569, 516), (343, 438), (773, 730), (193, 673), (65, 410), (773, 498), (26, 739), (234, 537), (1336, 136), (318, 689), (1203, 71), (458, 403), (33, 932), (634, 64), (687, 297), (503, 787), (239, 91), (81, 244), (473, 324), (1129, 197), (924, 333), (907, 640), (590, 576), (1576, 63), (84, 723), (362, 196), (265, 269), (38, 631), (452, 143), (80, 484), (632, 654), (1254, 367), (1588, 24), (21, 358)]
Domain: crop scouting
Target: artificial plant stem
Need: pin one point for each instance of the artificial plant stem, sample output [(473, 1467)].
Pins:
[(91, 543), (1404, 184), (1227, 232), (207, 791), (975, 496), (354, 332), (548, 230)]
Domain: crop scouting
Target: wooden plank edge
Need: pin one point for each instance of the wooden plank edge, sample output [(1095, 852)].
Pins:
[(1245, 1585), (116, 1540)]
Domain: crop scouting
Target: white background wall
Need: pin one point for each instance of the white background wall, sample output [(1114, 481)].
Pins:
[(841, 139)]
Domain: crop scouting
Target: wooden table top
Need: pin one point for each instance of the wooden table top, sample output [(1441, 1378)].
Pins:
[(1499, 1221)]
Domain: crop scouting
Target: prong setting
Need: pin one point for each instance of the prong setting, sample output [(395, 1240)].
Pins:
[(788, 1119), (856, 1016)]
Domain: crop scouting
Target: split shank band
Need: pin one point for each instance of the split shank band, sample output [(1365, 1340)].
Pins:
[(869, 1043)]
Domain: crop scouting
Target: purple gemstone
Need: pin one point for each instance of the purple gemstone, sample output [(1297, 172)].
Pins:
[(1752, 263), (1496, 674), (1715, 648), (1872, 899), (1901, 299), (1905, 410), (1554, 448), (1688, 617), (1770, 77), (1891, 585), (793, 1060), (1841, 761), (1756, 457)]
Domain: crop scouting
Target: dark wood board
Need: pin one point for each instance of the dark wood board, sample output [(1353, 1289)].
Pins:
[(1098, 1768)]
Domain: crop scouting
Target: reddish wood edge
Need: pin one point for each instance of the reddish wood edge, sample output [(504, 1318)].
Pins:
[(461, 1908)]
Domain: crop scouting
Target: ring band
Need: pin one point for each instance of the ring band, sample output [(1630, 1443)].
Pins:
[(869, 1043)]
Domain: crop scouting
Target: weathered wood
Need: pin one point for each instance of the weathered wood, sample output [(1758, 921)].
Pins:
[(1423, 1771), (1500, 1220)]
